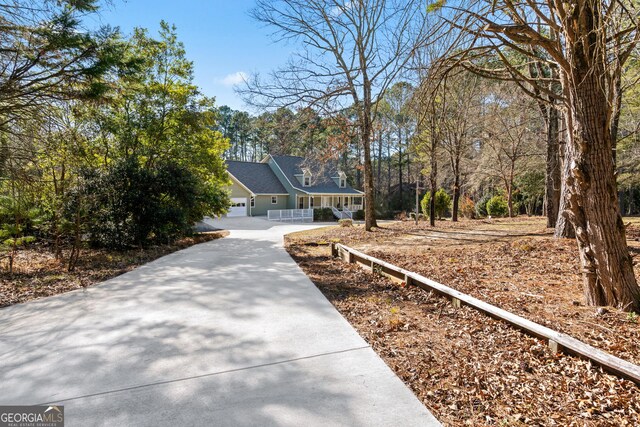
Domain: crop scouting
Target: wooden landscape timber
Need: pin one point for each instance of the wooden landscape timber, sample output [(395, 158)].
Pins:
[(557, 341)]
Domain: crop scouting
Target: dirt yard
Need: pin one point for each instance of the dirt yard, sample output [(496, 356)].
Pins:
[(467, 368), (37, 273)]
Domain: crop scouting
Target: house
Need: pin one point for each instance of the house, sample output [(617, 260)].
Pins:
[(288, 182)]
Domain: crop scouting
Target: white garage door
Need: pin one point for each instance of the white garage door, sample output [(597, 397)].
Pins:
[(238, 207)]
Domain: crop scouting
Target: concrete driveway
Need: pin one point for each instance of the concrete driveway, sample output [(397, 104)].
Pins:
[(229, 332)]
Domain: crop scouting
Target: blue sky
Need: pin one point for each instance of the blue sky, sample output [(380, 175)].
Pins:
[(219, 37)]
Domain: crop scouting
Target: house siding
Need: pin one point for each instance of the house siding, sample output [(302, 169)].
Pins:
[(237, 190), (263, 204), (291, 200)]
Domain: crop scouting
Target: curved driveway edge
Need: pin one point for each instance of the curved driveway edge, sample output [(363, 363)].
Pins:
[(229, 332)]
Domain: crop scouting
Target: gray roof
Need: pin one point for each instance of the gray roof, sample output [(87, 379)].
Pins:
[(257, 177), (321, 175)]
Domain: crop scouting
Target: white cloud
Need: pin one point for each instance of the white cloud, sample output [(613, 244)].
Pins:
[(234, 78)]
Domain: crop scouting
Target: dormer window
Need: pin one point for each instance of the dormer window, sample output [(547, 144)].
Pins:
[(306, 178), (343, 180)]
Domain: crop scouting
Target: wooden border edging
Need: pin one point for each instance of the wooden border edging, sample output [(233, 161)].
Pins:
[(557, 341)]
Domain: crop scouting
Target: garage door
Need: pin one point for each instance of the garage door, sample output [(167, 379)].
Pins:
[(238, 207)]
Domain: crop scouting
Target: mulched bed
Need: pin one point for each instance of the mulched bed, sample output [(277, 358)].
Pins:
[(37, 273), (466, 367)]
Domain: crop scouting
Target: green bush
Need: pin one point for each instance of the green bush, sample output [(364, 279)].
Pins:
[(323, 214), (443, 203), (130, 205), (358, 215), (497, 206), (481, 205)]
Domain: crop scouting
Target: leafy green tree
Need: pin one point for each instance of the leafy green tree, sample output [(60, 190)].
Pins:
[(46, 55), (17, 220), (130, 205), (497, 206), (157, 115), (531, 187), (442, 203), (137, 168)]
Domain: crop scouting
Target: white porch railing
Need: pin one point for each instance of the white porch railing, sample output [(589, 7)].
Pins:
[(293, 215)]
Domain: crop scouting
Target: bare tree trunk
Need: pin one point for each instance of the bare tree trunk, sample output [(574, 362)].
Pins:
[(379, 180), (367, 128), (615, 119), (433, 175), (400, 181), (593, 201), (564, 228), (456, 195), (509, 186), (432, 205), (552, 175), (388, 176), (408, 157)]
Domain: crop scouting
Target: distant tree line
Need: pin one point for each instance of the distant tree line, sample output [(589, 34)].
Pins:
[(492, 142)]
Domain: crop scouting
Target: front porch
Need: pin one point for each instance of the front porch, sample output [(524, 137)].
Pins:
[(338, 201)]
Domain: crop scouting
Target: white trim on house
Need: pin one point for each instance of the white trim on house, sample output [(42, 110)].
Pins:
[(306, 176), (338, 194)]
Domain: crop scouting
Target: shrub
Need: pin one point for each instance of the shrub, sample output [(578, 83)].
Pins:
[(467, 208), (358, 215), (443, 202), (497, 206), (481, 205), (346, 222), (130, 205), (323, 214)]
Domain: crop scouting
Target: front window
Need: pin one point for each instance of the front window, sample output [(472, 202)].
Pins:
[(274, 200), (307, 181), (343, 183), (253, 202)]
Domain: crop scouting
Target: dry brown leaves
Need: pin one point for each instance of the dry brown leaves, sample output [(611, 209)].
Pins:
[(467, 368), (38, 274), (514, 264)]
